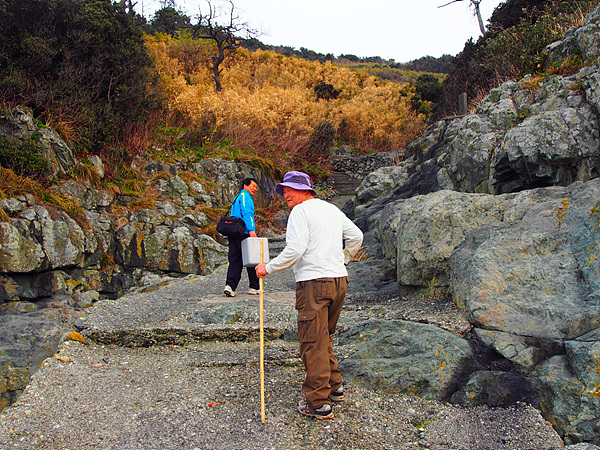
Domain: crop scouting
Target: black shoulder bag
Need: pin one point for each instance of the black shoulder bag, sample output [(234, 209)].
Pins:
[(231, 226)]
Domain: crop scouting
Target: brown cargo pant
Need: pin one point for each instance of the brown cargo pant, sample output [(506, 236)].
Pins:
[(319, 303)]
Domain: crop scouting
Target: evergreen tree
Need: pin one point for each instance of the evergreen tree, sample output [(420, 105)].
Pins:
[(80, 63)]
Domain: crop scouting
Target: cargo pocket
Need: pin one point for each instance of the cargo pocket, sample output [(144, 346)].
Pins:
[(307, 326)]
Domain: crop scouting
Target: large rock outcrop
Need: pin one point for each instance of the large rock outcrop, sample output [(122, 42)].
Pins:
[(56, 260), (500, 209)]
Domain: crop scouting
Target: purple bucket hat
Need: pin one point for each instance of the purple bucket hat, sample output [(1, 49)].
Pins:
[(295, 180)]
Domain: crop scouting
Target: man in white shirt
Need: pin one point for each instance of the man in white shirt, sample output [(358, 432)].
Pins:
[(318, 234)]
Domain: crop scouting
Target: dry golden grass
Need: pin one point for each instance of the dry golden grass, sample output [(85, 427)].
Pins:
[(4, 217), (362, 255), (143, 203), (268, 102), (83, 172), (13, 185)]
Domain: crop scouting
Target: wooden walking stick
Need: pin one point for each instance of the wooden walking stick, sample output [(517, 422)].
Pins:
[(262, 342)]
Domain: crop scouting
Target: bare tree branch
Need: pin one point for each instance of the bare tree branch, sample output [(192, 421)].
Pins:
[(477, 12), (224, 36)]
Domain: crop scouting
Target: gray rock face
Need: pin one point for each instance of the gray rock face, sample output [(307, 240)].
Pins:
[(583, 40), (556, 145), (229, 176), (525, 268), (88, 197), (152, 241), (531, 285), (421, 232), (26, 339), (413, 357), (538, 273), (522, 259)]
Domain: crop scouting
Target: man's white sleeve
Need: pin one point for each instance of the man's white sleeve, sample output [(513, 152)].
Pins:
[(296, 242), (352, 236)]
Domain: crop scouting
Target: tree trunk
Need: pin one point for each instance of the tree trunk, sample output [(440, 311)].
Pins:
[(478, 13), (216, 72)]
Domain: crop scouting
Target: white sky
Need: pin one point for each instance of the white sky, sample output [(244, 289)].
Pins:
[(402, 30)]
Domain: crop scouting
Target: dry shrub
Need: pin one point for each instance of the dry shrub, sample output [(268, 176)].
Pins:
[(86, 171), (118, 211), (13, 185), (362, 255), (139, 204), (164, 176), (269, 103)]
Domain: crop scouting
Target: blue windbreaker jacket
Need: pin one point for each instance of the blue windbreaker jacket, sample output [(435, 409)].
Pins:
[(243, 207)]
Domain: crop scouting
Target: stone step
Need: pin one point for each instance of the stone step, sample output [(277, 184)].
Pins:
[(344, 184)]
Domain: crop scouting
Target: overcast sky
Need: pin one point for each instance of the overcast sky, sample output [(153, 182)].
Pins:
[(402, 30)]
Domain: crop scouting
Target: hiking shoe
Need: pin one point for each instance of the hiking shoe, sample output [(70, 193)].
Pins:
[(322, 413), (337, 395), (228, 292), (253, 291)]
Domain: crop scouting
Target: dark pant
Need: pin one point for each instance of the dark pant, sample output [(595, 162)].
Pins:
[(319, 303), (234, 272)]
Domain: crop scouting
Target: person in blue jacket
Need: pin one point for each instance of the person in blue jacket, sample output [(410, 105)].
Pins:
[(242, 207)]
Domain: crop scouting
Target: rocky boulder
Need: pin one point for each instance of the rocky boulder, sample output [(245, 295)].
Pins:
[(415, 358), (22, 127), (421, 233), (531, 133), (228, 176), (531, 287), (26, 339)]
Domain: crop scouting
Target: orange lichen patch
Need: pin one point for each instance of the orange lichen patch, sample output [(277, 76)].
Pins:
[(596, 213), (75, 336), (595, 392), (61, 358), (561, 212)]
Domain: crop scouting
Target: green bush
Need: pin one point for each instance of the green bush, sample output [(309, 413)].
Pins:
[(326, 91), (429, 94), (22, 158), (76, 62), (513, 47)]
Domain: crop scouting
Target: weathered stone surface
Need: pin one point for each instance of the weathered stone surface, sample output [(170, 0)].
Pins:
[(12, 205), (561, 393), (174, 187), (526, 277), (494, 388), (583, 40), (218, 314), (88, 197), (522, 350), (103, 227), (421, 232), (155, 242), (25, 341), (381, 182), (62, 238), (19, 251), (530, 285), (553, 147), (467, 160), (98, 164), (415, 358), (228, 175)]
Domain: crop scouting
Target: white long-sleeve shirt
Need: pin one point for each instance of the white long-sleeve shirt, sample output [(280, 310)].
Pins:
[(316, 234)]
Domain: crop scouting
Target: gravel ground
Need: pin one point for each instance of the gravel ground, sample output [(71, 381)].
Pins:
[(206, 395)]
